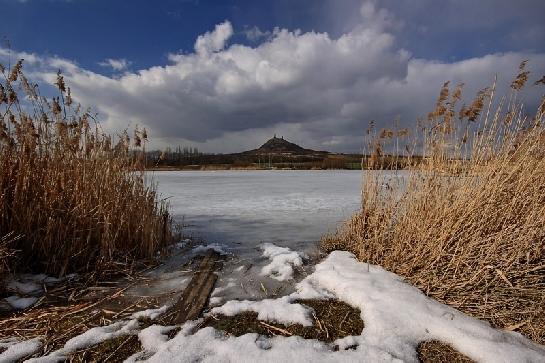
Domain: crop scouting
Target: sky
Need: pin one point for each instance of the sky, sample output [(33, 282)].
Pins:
[(225, 76)]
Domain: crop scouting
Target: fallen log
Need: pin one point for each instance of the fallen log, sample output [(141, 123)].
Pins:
[(195, 296)]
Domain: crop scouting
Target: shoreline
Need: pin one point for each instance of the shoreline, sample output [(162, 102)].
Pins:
[(244, 169)]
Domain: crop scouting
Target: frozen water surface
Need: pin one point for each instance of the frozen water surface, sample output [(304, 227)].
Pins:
[(243, 209), (241, 212)]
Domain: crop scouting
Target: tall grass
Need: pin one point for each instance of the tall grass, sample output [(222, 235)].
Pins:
[(71, 198), (466, 224)]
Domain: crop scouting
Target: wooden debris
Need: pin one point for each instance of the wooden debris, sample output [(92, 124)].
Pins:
[(195, 296), (277, 329)]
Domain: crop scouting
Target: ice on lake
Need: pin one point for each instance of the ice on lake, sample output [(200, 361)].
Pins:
[(243, 209), (240, 212)]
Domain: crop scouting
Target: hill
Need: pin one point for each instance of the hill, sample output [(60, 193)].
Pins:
[(275, 153), (277, 145)]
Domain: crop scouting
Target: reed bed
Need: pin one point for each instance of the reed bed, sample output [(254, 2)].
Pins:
[(466, 224), (72, 199)]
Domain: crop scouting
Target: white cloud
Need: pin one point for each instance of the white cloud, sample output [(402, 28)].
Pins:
[(214, 41), (377, 18), (314, 89), (115, 64), (255, 34)]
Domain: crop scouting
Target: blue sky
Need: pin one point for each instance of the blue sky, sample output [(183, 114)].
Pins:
[(123, 44), (145, 31)]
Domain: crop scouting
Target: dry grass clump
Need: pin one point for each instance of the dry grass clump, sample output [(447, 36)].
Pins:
[(75, 199), (467, 223), (332, 320), (5, 254), (437, 352)]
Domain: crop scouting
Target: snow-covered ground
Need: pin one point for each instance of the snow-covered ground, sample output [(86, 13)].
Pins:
[(267, 224), (397, 317), (26, 290)]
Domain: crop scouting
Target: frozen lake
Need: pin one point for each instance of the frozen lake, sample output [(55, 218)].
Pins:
[(243, 209)]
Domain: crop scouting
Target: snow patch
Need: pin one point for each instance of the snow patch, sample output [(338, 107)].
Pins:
[(17, 350), (209, 345), (397, 318), (154, 336), (89, 338), (219, 290), (30, 287), (181, 244), (282, 261), (100, 334), (21, 303), (215, 301), (150, 313), (281, 310), (219, 248)]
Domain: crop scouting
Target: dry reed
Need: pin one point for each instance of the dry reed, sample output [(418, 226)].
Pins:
[(466, 224), (76, 200)]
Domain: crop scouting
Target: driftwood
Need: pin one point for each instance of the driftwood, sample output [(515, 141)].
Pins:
[(195, 296)]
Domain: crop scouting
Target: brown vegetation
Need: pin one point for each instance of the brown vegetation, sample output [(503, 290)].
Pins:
[(332, 320), (72, 199), (437, 352), (466, 224)]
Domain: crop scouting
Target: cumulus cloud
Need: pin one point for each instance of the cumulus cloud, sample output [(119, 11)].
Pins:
[(315, 89), (379, 18), (255, 34), (115, 64), (214, 41)]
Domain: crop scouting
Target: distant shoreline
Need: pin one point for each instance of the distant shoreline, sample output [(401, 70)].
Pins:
[(239, 168)]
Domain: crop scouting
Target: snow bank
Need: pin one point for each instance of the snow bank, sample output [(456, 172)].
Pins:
[(397, 317), (17, 350), (209, 345), (282, 261)]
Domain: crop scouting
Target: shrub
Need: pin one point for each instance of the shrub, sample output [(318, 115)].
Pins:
[(466, 224), (74, 199)]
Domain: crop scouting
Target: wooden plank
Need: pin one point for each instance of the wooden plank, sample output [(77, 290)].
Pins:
[(196, 294)]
